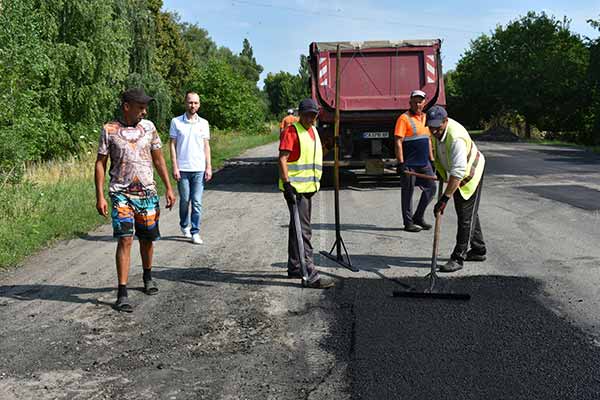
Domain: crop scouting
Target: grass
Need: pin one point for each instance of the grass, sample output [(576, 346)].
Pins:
[(56, 200)]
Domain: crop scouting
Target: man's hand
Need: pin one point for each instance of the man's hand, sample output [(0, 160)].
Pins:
[(102, 207), (170, 196), (176, 174), (289, 193), (208, 174), (440, 206)]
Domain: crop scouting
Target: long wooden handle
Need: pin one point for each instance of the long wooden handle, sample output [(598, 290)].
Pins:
[(423, 176)]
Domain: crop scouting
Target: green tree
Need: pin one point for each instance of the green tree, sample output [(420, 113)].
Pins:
[(284, 91), (509, 72), (229, 101), (199, 44)]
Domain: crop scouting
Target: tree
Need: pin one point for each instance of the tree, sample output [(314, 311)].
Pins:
[(509, 72), (229, 101), (284, 91), (199, 44)]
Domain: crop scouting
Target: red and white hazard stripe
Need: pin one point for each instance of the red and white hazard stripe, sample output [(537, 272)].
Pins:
[(323, 71), (430, 68)]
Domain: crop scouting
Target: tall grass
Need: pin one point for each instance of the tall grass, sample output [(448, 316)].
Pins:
[(56, 200)]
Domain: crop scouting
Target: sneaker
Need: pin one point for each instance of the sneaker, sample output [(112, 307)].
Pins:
[(423, 225), (451, 266), (472, 256), (323, 282), (186, 232), (412, 228), (196, 239)]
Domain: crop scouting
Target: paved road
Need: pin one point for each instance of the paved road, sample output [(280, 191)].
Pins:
[(229, 325)]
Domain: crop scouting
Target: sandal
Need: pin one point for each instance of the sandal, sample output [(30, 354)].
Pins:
[(123, 305), (150, 287)]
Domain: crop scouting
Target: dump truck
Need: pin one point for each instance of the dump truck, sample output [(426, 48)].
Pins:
[(376, 79)]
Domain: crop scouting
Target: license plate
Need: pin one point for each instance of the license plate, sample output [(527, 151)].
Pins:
[(375, 135)]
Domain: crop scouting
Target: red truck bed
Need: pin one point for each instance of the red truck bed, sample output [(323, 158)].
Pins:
[(376, 80)]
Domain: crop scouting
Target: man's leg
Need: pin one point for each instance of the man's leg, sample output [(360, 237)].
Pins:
[(305, 211), (122, 214), (147, 215), (466, 211), (196, 190), (428, 188), (183, 186), (123, 259), (407, 184), (477, 243)]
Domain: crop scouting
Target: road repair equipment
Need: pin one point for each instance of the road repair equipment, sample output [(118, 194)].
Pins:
[(300, 241), (339, 243), (430, 292)]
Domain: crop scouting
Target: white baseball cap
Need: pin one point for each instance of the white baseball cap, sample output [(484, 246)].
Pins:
[(418, 93)]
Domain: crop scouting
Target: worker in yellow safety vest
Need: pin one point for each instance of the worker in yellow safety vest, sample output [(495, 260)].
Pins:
[(459, 162), (300, 168)]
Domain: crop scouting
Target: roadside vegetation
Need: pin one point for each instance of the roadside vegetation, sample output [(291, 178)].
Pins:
[(534, 76)]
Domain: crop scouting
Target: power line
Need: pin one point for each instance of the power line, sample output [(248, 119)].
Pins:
[(358, 19)]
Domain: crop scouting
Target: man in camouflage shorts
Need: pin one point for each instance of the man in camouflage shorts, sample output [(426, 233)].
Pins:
[(133, 146)]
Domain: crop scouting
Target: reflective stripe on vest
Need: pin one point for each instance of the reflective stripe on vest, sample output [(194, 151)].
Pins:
[(305, 173), (416, 134), (475, 160)]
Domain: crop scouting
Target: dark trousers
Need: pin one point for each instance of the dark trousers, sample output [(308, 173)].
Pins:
[(469, 229), (303, 200), (408, 184)]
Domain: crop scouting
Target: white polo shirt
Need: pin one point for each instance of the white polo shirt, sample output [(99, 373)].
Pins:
[(190, 135)]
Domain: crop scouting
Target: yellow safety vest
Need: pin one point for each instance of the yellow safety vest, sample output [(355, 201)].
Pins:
[(475, 160), (305, 173)]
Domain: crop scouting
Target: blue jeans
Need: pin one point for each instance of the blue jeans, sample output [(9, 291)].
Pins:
[(191, 186)]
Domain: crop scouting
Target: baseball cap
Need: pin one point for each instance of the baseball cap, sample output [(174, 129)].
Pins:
[(436, 116), (418, 93), (308, 106), (136, 95), (290, 111)]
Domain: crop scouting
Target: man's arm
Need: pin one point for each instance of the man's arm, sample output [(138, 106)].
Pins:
[(161, 167), (283, 168), (99, 173), (399, 153), (208, 169), (173, 150)]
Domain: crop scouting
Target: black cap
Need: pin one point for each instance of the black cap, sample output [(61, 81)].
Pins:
[(436, 116), (308, 106), (136, 95)]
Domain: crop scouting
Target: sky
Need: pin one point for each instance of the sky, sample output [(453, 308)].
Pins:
[(279, 31)]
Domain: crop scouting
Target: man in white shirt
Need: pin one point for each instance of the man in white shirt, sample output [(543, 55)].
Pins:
[(190, 154), (459, 162)]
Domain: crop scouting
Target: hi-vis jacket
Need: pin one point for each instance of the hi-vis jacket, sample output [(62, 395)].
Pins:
[(475, 160), (305, 173)]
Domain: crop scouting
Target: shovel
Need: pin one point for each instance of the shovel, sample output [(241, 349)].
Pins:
[(431, 293)]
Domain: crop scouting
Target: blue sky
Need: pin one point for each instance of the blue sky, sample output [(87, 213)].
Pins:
[(280, 31)]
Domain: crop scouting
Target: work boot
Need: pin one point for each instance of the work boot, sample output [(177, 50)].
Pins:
[(412, 228), (423, 225), (322, 282), (473, 256), (451, 266)]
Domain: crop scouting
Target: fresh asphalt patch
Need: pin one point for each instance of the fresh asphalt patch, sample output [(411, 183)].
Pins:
[(575, 195), (503, 344)]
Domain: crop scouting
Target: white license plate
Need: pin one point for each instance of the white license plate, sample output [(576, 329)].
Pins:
[(375, 135)]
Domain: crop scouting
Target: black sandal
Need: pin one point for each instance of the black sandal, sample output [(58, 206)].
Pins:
[(123, 305), (150, 287)]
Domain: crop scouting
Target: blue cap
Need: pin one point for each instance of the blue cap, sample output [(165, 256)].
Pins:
[(308, 106), (436, 116)]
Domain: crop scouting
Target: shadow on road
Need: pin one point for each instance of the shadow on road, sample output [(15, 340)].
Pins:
[(202, 276), (69, 294), (503, 344)]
